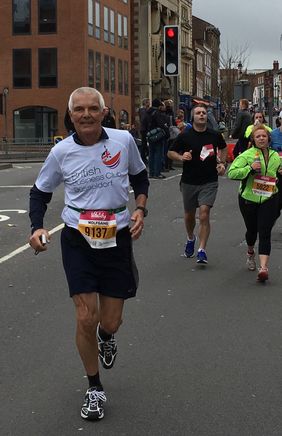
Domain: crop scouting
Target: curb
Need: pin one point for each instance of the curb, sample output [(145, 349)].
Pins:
[(5, 166)]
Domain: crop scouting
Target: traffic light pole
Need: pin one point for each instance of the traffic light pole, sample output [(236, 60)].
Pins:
[(175, 93)]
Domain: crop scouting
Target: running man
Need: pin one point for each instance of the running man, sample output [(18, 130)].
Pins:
[(95, 165), (203, 153)]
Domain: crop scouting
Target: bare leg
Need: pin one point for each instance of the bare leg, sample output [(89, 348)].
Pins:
[(190, 223), (87, 317), (110, 313), (263, 260), (204, 226)]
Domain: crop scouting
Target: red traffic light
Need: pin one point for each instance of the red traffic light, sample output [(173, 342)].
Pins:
[(170, 32)]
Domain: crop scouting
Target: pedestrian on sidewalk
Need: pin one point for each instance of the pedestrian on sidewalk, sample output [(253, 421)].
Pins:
[(257, 168), (243, 120), (156, 121), (143, 129), (95, 165), (203, 153)]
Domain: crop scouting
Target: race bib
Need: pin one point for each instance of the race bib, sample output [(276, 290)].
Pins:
[(264, 185), (99, 228), (207, 151)]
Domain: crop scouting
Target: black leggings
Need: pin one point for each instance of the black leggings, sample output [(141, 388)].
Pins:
[(259, 219)]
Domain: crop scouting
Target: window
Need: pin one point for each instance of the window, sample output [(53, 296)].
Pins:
[(35, 122), (47, 16), (91, 68), (47, 67), (97, 21), (98, 71), (106, 24), (21, 17), (22, 68), (113, 75), (120, 77), (112, 27), (90, 18), (126, 78), (106, 73), (119, 30), (125, 34)]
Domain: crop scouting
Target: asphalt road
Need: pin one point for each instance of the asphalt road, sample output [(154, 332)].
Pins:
[(200, 349)]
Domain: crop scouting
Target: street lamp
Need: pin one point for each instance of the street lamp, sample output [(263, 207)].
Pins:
[(240, 66), (5, 94)]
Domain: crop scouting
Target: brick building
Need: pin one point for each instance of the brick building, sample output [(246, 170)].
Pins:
[(207, 38), (50, 47)]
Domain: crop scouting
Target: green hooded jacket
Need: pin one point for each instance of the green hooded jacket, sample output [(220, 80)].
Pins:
[(241, 169)]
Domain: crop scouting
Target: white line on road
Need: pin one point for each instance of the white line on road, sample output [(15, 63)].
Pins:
[(171, 177), (16, 186), (26, 246)]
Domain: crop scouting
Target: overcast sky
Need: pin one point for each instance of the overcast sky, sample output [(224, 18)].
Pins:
[(255, 22)]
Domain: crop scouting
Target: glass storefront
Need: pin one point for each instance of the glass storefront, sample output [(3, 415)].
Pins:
[(35, 122)]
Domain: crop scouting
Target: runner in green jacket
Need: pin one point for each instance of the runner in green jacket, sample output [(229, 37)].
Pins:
[(257, 170)]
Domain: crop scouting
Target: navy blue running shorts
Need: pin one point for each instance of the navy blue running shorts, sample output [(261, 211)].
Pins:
[(111, 271)]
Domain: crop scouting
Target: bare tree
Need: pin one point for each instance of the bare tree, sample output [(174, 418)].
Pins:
[(233, 62)]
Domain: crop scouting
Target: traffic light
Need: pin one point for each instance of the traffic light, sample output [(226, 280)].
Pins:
[(171, 50)]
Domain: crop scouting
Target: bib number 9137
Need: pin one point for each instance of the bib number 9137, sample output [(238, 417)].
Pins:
[(99, 228)]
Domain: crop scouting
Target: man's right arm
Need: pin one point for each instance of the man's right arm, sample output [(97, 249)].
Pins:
[(38, 201)]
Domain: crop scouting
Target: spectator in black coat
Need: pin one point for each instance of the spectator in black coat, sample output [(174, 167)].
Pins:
[(109, 120), (157, 118), (243, 120), (142, 112)]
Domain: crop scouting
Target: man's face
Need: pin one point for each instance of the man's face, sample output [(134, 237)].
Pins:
[(86, 114), (200, 116)]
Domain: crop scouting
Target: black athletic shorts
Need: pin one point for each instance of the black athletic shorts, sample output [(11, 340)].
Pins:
[(109, 271)]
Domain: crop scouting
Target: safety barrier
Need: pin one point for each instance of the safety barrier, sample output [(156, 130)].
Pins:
[(24, 149)]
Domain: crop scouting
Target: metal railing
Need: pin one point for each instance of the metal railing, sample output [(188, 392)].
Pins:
[(25, 148)]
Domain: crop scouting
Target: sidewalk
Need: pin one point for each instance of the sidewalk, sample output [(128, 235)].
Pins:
[(8, 163)]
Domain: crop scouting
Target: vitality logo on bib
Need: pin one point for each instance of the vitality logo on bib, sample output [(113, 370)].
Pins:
[(109, 160)]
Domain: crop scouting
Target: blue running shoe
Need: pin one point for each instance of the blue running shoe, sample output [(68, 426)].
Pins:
[(190, 247), (202, 257)]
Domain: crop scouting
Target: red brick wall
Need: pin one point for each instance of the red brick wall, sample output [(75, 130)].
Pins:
[(72, 43)]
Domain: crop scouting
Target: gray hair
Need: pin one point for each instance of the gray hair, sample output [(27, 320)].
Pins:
[(87, 90)]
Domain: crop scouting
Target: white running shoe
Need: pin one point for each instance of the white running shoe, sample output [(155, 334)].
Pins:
[(251, 261)]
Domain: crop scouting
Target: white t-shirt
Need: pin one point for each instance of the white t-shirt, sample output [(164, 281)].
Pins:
[(95, 177)]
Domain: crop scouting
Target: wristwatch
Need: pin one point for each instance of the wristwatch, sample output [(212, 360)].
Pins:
[(144, 210)]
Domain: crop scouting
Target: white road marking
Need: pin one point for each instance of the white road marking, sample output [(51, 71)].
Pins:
[(6, 217), (20, 168), (26, 246), (171, 177), (14, 210), (16, 186)]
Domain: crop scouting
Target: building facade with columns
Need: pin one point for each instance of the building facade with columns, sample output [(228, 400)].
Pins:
[(148, 79)]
